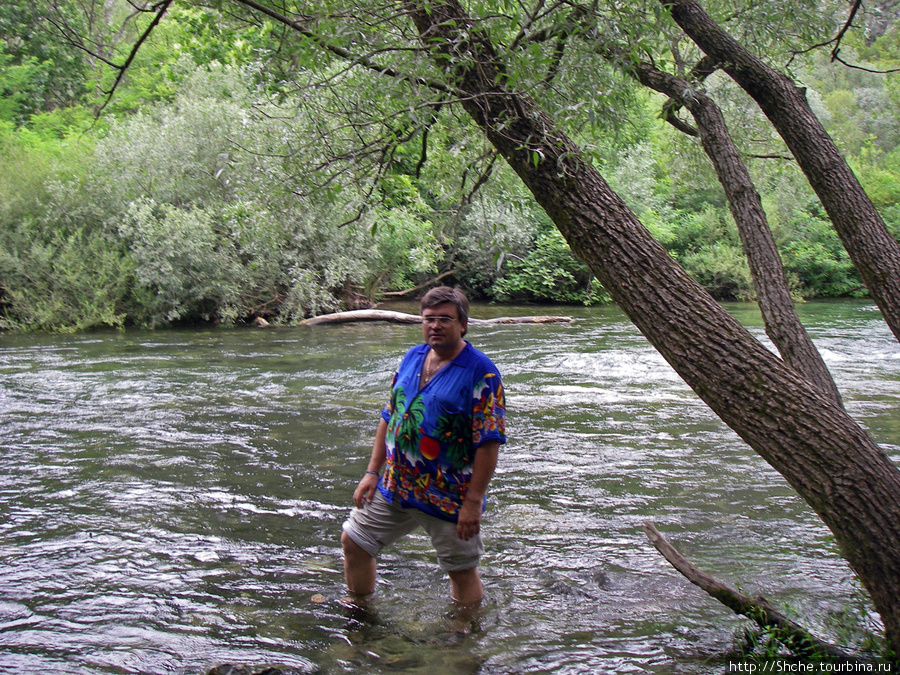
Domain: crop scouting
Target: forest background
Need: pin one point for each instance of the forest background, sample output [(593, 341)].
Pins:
[(221, 184)]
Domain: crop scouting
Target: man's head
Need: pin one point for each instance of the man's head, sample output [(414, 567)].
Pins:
[(445, 315), (441, 294)]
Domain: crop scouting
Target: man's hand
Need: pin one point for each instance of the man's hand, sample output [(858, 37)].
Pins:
[(365, 491), (469, 523)]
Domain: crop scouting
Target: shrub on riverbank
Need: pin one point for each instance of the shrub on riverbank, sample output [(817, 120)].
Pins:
[(198, 209)]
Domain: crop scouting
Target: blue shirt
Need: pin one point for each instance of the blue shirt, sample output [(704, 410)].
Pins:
[(433, 432)]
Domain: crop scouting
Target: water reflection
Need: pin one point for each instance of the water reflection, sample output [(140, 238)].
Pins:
[(172, 500)]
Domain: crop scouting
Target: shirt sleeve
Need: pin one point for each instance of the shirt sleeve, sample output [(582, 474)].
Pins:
[(489, 410), (388, 408)]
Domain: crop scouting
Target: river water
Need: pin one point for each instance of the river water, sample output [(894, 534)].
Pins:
[(172, 500)]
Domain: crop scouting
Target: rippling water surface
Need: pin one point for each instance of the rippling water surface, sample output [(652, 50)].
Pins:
[(172, 500)]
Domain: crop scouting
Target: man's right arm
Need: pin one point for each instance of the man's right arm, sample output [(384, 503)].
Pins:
[(365, 491)]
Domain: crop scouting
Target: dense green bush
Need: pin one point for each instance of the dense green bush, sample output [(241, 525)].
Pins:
[(822, 268), (182, 223), (722, 269), (181, 261), (69, 282), (488, 234), (549, 273)]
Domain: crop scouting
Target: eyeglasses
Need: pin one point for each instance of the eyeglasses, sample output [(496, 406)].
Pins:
[(439, 320)]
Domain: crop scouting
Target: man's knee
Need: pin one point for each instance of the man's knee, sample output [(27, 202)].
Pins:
[(352, 549), (469, 575)]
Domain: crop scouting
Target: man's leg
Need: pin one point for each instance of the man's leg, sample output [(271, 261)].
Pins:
[(466, 586), (457, 557), (467, 594), (359, 568), (365, 533)]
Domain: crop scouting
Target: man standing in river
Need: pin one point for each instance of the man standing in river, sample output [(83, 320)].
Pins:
[(438, 441)]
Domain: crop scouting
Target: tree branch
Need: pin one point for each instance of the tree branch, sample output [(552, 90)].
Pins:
[(409, 291), (669, 110), (160, 10), (559, 51), (356, 59), (701, 70), (791, 634), (836, 41), (481, 180), (72, 36), (847, 24), (423, 155)]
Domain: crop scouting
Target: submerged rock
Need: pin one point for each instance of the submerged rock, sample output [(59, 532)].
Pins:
[(229, 669)]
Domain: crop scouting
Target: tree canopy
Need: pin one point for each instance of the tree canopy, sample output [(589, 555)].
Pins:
[(347, 121)]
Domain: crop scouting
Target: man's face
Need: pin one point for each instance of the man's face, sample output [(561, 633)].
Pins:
[(441, 326)]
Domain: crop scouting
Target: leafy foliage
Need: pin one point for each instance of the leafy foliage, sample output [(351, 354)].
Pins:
[(68, 282), (549, 273), (37, 72), (722, 270), (819, 262), (247, 170)]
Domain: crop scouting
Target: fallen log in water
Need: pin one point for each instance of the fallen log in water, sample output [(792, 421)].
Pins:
[(795, 637), (402, 317)]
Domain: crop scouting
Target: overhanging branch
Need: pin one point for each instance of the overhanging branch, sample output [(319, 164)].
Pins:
[(482, 177)]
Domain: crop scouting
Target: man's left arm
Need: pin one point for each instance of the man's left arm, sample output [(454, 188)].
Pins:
[(469, 523)]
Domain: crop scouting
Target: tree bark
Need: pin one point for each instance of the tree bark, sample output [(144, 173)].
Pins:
[(779, 314), (834, 465), (874, 252)]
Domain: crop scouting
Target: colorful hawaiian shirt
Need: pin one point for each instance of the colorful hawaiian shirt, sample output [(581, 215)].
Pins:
[(433, 432)]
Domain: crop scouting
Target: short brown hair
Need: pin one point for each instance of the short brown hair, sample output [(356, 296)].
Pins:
[(441, 294)]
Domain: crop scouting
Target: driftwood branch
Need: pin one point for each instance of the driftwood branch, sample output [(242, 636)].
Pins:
[(757, 609), (402, 317)]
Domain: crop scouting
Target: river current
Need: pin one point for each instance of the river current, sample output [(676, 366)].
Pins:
[(172, 500)]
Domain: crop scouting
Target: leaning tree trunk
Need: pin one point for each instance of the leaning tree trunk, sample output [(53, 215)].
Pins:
[(834, 465), (875, 253), (779, 314)]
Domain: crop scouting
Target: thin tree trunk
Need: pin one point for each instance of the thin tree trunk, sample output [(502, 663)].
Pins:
[(779, 314), (834, 465), (875, 253)]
